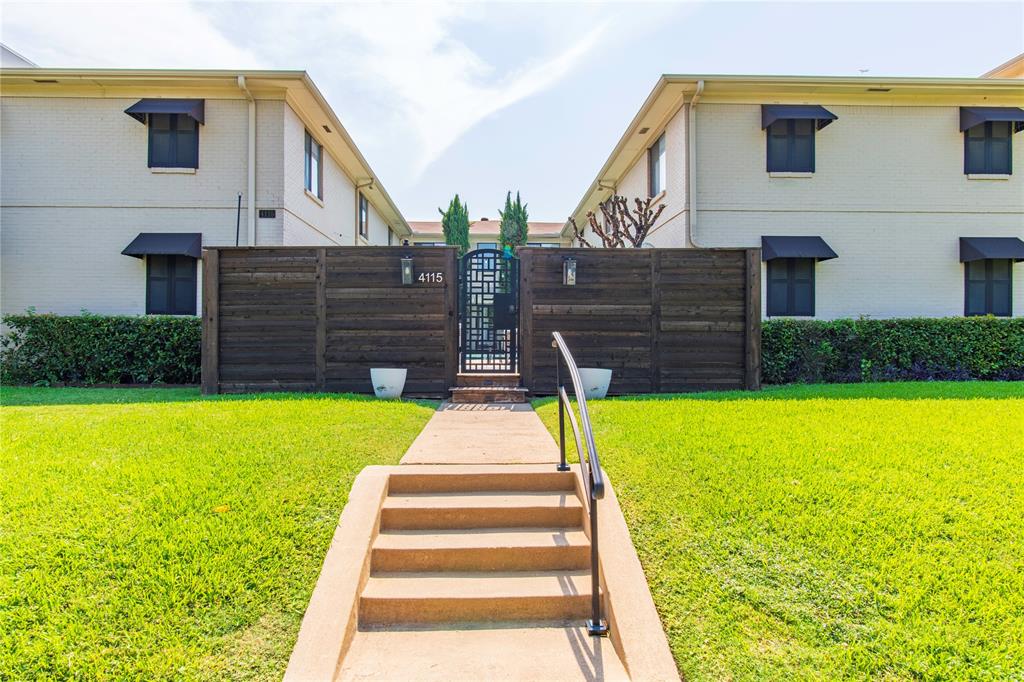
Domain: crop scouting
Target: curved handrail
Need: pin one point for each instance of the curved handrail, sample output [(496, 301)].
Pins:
[(590, 466)]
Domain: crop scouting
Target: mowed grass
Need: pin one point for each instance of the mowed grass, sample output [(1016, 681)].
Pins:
[(152, 534), (828, 532)]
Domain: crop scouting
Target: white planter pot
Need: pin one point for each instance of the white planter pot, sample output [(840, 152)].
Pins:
[(595, 382), (388, 382)]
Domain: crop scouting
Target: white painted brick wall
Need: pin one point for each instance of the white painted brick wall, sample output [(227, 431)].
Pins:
[(307, 221), (889, 195)]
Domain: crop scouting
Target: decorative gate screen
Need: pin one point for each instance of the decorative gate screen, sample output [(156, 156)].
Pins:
[(489, 312)]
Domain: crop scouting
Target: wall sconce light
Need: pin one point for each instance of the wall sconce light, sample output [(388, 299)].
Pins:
[(407, 270), (569, 272)]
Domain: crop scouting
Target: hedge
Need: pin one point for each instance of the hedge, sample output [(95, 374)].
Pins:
[(100, 349), (920, 349), (97, 349)]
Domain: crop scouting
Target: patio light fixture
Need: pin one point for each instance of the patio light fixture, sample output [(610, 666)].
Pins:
[(569, 272), (406, 270)]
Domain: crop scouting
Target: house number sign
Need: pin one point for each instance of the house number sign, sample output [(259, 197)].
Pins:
[(431, 277)]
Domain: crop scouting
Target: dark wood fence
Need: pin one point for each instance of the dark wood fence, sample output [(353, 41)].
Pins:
[(664, 320), (317, 319)]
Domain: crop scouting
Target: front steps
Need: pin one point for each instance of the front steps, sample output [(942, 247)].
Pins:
[(487, 389), (478, 548), (467, 593)]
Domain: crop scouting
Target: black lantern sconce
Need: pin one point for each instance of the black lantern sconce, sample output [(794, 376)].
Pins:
[(569, 272), (407, 270)]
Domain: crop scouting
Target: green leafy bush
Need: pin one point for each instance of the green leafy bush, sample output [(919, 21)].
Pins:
[(100, 349), (842, 351)]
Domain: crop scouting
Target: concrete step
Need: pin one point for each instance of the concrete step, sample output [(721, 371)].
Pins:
[(395, 598), (498, 509), (464, 379), (487, 549), (507, 651), (488, 394), (480, 481)]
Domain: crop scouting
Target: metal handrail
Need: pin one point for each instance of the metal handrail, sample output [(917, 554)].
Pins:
[(590, 466)]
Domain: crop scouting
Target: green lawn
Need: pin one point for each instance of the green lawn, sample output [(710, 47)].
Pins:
[(150, 533), (827, 532)]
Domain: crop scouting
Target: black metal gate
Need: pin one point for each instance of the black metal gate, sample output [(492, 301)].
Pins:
[(488, 312)]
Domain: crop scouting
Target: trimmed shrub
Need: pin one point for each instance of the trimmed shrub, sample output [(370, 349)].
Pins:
[(917, 349), (100, 349)]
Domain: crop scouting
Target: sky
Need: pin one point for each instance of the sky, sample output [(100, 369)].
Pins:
[(484, 98)]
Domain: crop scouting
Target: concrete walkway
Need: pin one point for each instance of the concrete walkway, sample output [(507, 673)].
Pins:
[(483, 434), (471, 561)]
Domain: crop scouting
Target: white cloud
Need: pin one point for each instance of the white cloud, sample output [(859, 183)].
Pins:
[(119, 35), (412, 56), (401, 76)]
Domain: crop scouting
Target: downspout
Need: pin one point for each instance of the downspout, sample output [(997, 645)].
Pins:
[(691, 164), (250, 199)]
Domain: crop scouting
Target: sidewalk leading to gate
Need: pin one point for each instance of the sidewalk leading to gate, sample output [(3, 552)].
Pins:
[(483, 434), (472, 560)]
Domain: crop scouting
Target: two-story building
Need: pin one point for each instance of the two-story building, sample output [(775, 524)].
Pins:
[(881, 197), (112, 181)]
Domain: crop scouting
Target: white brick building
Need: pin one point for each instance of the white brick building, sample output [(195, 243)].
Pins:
[(878, 169), (81, 179)]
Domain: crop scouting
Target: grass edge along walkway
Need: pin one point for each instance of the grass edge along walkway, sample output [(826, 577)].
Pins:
[(828, 532), (152, 533)]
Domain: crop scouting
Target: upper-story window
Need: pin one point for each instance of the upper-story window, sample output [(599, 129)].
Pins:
[(173, 130), (314, 167), (364, 216), (791, 130), (791, 146), (988, 148), (988, 138), (173, 141), (656, 176)]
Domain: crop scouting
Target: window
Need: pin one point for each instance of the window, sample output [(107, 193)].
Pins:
[(791, 145), (173, 141), (314, 167), (656, 167), (987, 148), (391, 237), (487, 245), (170, 285), (364, 217), (791, 286), (431, 244), (987, 287)]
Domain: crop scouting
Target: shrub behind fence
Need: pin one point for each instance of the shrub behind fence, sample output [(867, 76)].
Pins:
[(100, 349), (842, 351)]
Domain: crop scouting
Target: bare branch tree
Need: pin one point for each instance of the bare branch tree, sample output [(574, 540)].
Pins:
[(619, 227)]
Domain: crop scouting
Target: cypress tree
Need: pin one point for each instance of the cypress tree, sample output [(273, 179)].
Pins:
[(514, 222), (455, 225)]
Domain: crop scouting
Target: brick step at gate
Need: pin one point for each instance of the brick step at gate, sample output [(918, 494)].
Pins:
[(488, 394)]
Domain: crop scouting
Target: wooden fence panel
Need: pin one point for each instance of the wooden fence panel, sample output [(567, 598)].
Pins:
[(665, 320), (318, 318)]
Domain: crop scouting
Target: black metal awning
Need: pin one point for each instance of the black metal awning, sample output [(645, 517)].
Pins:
[(165, 244), (194, 108), (972, 116), (796, 247), (982, 248), (770, 113)]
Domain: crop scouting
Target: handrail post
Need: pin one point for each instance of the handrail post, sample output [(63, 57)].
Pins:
[(596, 626), (562, 466)]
